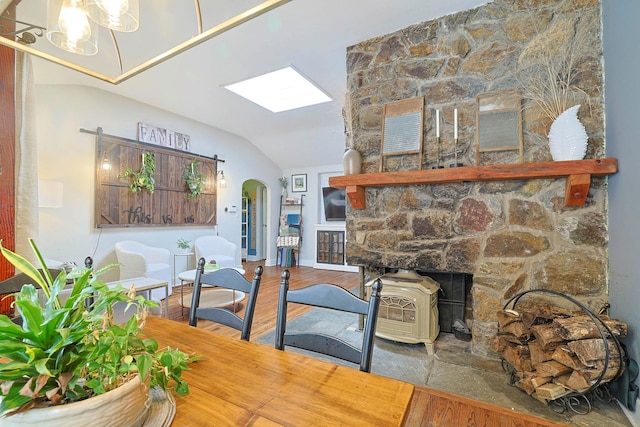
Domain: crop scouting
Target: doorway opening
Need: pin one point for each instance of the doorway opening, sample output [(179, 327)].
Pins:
[(254, 220)]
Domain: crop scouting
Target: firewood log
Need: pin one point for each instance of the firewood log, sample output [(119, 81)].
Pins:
[(590, 351), (510, 338), (517, 329), (538, 355), (552, 369), (551, 391), (578, 382), (526, 385), (518, 357), (505, 317), (547, 336), (537, 381), (565, 356), (581, 327)]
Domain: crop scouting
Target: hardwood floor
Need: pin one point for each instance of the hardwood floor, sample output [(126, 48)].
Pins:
[(264, 318), (429, 407)]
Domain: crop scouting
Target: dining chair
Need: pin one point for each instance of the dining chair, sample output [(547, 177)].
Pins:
[(227, 278), (330, 296)]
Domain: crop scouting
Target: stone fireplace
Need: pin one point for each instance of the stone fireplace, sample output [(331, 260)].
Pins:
[(509, 236)]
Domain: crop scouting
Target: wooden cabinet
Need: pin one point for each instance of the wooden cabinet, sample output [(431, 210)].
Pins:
[(330, 247)]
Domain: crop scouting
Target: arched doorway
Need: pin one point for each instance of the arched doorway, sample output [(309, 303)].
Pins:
[(254, 220)]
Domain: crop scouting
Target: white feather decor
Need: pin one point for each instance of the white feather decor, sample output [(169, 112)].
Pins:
[(567, 136)]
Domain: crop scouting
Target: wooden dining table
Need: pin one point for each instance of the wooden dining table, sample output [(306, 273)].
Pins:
[(240, 383)]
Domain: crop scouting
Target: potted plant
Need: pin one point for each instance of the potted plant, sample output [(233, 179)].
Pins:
[(551, 70), (284, 183), (67, 353), (195, 180), (143, 179), (183, 244)]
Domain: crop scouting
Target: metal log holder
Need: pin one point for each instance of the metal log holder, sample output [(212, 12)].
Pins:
[(578, 402)]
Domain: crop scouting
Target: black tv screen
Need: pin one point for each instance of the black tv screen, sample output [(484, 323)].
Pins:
[(334, 200)]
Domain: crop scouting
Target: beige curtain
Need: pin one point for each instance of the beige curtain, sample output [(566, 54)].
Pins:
[(27, 217)]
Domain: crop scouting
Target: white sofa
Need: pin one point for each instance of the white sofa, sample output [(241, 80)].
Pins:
[(139, 260), (216, 248)]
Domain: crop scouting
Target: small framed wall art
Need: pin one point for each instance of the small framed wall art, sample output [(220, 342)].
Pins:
[(299, 183), (402, 129), (499, 123)]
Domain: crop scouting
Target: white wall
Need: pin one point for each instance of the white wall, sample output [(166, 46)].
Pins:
[(67, 155), (311, 211), (622, 93)]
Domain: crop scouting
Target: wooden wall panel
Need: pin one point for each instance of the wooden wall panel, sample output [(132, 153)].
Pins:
[(117, 206)]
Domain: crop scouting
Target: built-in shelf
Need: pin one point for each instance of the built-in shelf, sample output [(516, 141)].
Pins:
[(577, 172)]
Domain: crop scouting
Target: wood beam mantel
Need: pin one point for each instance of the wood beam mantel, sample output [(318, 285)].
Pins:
[(578, 174)]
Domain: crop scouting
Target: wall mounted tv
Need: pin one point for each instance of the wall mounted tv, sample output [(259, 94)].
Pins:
[(334, 200)]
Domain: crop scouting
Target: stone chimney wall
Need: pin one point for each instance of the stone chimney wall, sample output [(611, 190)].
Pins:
[(511, 235)]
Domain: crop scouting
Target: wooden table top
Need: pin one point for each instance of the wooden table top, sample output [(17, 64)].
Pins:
[(243, 383)]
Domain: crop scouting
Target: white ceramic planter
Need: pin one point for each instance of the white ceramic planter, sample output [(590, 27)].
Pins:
[(126, 406), (568, 137)]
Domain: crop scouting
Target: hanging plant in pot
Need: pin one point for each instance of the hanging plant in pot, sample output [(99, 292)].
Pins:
[(143, 179), (63, 360), (195, 181)]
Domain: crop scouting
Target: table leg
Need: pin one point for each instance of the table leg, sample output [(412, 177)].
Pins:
[(166, 301)]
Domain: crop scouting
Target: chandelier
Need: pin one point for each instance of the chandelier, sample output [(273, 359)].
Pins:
[(73, 26)]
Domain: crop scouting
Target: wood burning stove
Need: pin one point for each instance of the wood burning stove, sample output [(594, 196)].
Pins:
[(408, 308)]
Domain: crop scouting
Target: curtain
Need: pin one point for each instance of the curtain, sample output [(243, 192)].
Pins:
[(26, 216)]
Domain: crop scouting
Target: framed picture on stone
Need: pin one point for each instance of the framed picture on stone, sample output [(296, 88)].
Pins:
[(402, 129), (499, 124)]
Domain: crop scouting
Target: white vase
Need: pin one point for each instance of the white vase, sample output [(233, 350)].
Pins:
[(351, 161), (567, 136), (127, 405)]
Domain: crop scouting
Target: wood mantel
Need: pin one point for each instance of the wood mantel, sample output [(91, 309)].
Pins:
[(577, 172)]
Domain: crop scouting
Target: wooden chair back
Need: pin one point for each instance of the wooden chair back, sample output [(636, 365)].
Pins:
[(333, 297), (227, 278)]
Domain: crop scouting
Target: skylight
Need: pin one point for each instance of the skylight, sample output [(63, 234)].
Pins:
[(280, 90)]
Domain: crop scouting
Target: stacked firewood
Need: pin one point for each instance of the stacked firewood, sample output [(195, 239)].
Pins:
[(554, 351)]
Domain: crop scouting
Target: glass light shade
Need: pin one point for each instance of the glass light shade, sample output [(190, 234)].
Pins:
[(69, 27), (222, 182), (117, 15)]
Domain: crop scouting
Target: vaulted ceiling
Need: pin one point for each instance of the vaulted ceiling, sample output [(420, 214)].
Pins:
[(311, 35)]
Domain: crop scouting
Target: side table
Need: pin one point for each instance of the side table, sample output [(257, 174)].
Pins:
[(189, 276), (174, 278)]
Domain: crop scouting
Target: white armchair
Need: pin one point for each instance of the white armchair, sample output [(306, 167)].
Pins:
[(139, 260), (218, 248)]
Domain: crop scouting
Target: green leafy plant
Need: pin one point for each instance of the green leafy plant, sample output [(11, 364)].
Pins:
[(65, 352), (183, 243), (143, 179), (284, 182), (195, 180)]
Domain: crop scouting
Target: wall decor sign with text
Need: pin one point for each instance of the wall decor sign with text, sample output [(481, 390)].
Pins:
[(163, 137)]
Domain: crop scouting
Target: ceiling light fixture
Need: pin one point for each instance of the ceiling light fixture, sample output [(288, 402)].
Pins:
[(69, 27), (117, 15), (200, 37), (280, 90), (72, 23)]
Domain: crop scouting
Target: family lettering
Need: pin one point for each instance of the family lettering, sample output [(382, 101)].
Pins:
[(163, 137)]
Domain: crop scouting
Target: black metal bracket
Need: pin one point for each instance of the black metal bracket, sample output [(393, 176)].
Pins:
[(23, 35)]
